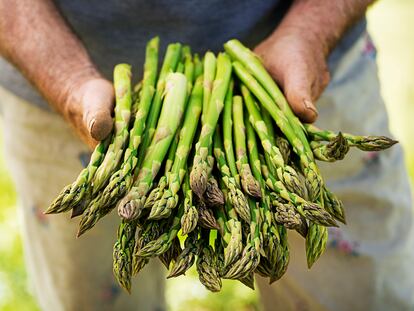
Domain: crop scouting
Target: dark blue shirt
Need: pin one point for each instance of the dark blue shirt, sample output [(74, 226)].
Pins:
[(116, 31)]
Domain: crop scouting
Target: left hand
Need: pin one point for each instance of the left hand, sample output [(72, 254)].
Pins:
[(297, 62)]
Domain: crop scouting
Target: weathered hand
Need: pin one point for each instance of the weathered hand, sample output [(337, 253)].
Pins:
[(88, 106), (297, 61)]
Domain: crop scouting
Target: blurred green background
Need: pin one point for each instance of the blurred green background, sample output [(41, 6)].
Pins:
[(390, 22)]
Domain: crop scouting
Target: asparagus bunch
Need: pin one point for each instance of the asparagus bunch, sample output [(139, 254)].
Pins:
[(220, 194)]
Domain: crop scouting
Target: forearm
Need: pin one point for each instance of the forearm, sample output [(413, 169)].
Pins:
[(323, 21), (35, 38)]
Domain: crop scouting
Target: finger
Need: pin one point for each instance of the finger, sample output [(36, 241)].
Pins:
[(97, 104), (298, 90)]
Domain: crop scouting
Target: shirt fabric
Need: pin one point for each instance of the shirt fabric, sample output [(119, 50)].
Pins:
[(117, 31)]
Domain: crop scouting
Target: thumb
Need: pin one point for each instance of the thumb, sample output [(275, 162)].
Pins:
[(298, 91), (97, 102)]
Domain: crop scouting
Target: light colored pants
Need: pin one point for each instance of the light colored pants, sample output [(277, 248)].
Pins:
[(368, 264)]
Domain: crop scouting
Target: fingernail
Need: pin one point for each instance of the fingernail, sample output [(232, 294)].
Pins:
[(309, 105), (91, 124)]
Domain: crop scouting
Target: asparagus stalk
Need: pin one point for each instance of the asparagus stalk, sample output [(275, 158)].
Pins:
[(250, 257), (189, 219), (228, 130), (180, 67), (199, 174), (198, 66), (234, 194), (164, 242), (206, 217), (169, 199), (122, 254), (274, 245), (171, 59), (249, 183), (286, 174), (309, 210), (283, 261), (171, 255), (315, 242), (121, 181), (213, 196), (131, 205), (187, 257), (171, 153), (231, 229), (209, 66), (188, 68), (335, 150), (364, 143), (156, 193), (145, 233), (105, 159), (207, 268), (309, 168), (333, 205), (287, 215), (276, 139), (122, 86), (72, 194), (284, 148)]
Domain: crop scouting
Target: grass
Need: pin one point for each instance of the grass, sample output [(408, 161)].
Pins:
[(390, 22)]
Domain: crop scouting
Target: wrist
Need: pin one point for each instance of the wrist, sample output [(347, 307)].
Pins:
[(322, 23), (310, 37)]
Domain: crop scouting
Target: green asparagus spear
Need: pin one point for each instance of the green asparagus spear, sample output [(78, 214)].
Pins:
[(364, 143), (228, 130), (189, 219), (122, 86), (310, 211), (198, 66), (71, 195), (187, 257), (335, 150), (249, 183), (234, 194), (131, 205), (169, 200), (121, 181), (300, 146), (315, 242), (171, 59), (209, 69), (207, 268), (213, 196), (122, 254), (164, 242), (286, 174), (200, 171)]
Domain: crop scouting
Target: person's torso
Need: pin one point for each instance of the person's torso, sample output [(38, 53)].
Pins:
[(116, 31)]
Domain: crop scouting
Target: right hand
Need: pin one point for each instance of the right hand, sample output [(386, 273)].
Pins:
[(88, 106)]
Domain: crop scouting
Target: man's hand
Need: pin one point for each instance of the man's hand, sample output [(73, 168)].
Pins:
[(36, 39), (296, 53), (298, 65), (88, 106)]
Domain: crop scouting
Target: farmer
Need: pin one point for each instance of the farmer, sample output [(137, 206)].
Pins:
[(56, 95)]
